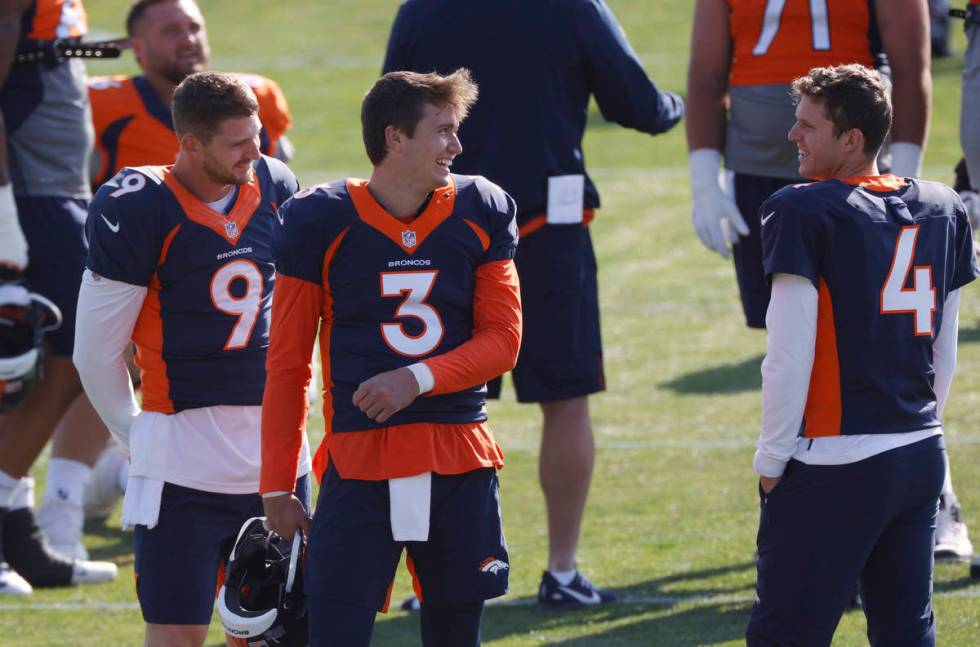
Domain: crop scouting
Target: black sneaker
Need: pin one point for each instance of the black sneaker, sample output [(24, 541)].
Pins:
[(580, 592)]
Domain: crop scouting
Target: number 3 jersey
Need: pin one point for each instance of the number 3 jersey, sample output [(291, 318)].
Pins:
[(202, 334), (395, 293), (883, 253)]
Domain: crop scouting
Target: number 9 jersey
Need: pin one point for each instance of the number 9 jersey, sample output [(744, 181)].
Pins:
[(202, 334)]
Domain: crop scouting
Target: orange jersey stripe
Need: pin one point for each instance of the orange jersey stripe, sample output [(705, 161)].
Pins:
[(887, 182), (148, 337), (439, 208), (58, 19), (772, 46), (537, 222), (823, 403)]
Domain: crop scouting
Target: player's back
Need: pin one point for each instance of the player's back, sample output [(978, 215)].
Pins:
[(883, 257), (772, 44), (203, 330)]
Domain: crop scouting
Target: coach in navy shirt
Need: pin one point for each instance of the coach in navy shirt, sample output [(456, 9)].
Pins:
[(536, 64)]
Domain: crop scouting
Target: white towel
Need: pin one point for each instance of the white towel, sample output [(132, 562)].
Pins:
[(141, 505), (410, 501)]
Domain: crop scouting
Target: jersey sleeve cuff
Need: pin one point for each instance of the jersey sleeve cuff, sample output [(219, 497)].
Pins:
[(768, 466), (423, 375)]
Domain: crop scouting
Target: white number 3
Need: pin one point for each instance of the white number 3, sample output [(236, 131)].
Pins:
[(417, 285), (920, 299), (246, 306)]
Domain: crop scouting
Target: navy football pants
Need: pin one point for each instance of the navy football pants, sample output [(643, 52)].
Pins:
[(824, 526)]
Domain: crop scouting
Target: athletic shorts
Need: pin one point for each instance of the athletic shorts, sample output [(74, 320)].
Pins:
[(351, 556), (825, 527), (55, 232), (180, 561), (561, 347), (753, 286)]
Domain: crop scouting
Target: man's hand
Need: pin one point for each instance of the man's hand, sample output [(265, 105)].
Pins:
[(768, 483), (715, 215), (284, 515), (385, 394), (971, 200)]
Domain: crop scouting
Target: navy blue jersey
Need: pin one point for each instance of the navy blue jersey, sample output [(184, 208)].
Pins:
[(883, 262), (536, 64), (203, 331), (395, 293)]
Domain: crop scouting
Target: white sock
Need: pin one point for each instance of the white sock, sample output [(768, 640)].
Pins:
[(947, 493), (564, 577), (8, 487), (23, 494), (67, 480), (123, 477)]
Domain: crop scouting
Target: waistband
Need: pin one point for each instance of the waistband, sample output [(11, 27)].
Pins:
[(53, 52)]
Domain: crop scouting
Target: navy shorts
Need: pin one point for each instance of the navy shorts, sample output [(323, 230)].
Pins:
[(561, 347), (55, 232), (351, 556), (180, 561), (753, 286), (824, 527)]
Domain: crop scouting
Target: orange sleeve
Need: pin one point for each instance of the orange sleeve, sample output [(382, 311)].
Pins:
[(295, 318), (273, 109), (492, 350)]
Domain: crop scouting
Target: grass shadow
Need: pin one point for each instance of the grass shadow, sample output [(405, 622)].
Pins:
[(115, 544), (736, 377), (969, 335)]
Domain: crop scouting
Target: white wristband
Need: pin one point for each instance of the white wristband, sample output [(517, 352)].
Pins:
[(269, 495), (906, 159), (423, 375), (13, 245)]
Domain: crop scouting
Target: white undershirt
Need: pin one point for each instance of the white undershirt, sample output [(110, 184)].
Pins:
[(791, 324), (217, 449)]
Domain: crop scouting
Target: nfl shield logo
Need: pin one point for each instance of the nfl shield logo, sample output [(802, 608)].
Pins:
[(408, 238), (231, 229)]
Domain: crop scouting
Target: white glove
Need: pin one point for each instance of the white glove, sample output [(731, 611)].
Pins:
[(13, 245), (715, 215), (971, 200), (906, 159)]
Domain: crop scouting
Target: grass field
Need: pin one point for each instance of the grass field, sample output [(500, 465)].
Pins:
[(672, 517)]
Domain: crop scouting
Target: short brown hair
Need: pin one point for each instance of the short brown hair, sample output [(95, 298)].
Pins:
[(397, 99), (854, 96), (204, 99), (136, 11)]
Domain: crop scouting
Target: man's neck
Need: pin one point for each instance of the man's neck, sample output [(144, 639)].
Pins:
[(162, 87), (195, 181), (863, 167), (398, 197)]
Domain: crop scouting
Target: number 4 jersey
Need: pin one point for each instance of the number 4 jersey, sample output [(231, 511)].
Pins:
[(883, 253), (202, 334)]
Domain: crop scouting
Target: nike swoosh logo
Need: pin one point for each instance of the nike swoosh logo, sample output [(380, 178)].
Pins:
[(768, 218), (114, 228), (593, 598)]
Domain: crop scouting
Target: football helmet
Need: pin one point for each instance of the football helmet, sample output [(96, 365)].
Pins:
[(261, 602), (24, 318)]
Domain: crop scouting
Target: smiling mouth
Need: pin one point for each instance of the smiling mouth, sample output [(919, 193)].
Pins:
[(444, 162)]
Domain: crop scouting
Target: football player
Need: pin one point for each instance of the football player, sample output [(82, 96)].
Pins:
[(48, 136), (526, 134), (866, 274), (743, 57), (181, 263), (133, 127), (409, 279)]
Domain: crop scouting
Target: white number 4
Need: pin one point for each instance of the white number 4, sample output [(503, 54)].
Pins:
[(920, 299)]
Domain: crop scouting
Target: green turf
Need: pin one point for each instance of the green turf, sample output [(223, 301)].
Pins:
[(672, 516)]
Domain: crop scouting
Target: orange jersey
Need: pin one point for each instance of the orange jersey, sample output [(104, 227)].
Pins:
[(133, 126), (775, 41), (51, 19)]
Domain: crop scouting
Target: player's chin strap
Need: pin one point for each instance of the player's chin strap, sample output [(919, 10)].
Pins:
[(294, 560)]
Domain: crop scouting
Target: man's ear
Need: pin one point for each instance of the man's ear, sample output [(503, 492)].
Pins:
[(190, 143), (854, 141), (394, 137)]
